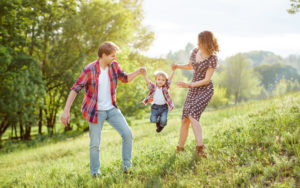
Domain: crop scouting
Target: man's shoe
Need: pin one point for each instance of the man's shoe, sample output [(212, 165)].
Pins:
[(94, 176), (128, 172)]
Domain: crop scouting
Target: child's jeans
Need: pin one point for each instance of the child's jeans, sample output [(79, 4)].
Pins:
[(159, 114)]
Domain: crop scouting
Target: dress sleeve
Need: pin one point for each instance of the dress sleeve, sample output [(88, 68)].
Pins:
[(193, 54), (213, 63)]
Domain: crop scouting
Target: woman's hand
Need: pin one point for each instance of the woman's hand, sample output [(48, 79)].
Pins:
[(183, 85), (174, 67)]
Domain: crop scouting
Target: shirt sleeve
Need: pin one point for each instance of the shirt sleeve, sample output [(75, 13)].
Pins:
[(151, 86), (168, 84), (122, 76), (81, 81), (214, 62)]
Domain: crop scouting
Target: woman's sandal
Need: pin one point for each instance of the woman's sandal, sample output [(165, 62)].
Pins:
[(200, 151)]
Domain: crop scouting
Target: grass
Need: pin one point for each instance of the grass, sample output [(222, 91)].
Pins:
[(250, 145)]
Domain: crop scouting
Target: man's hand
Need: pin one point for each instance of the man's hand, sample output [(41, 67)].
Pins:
[(65, 118), (143, 71)]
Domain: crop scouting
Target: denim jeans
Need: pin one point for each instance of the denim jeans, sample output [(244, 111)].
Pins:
[(116, 119), (159, 113)]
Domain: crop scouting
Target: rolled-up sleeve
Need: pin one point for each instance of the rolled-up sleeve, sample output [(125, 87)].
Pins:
[(81, 81), (151, 87), (122, 76)]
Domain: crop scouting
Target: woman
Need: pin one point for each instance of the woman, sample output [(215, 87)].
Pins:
[(203, 61)]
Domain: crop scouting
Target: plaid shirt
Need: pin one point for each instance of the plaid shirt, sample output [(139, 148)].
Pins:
[(152, 88), (89, 80)]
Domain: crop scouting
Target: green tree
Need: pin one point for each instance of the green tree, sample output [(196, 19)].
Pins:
[(182, 57), (239, 79), (295, 6), (270, 75)]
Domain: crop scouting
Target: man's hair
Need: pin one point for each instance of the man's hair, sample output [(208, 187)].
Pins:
[(107, 48), (208, 41), (161, 73)]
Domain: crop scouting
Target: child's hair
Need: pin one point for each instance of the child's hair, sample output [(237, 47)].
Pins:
[(208, 41), (160, 73), (107, 48)]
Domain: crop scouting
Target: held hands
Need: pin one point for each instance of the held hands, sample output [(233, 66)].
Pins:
[(174, 67), (143, 71), (183, 85)]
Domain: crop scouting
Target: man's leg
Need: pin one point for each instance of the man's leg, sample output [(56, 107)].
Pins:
[(95, 139), (117, 120)]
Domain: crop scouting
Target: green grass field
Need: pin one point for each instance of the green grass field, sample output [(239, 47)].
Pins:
[(250, 145)]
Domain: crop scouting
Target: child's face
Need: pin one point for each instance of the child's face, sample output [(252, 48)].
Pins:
[(160, 81)]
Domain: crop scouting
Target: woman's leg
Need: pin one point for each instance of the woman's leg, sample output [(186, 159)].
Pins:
[(184, 131), (197, 131)]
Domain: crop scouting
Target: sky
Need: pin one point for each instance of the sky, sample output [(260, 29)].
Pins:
[(238, 25)]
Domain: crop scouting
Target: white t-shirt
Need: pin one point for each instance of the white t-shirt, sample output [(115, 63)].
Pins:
[(158, 97), (104, 96)]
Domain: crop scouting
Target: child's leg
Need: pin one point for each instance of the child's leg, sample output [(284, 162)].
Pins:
[(154, 115), (164, 117)]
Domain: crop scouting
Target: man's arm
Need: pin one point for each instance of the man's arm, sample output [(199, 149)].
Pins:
[(134, 74), (65, 117)]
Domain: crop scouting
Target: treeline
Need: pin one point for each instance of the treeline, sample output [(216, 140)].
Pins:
[(44, 46), (246, 76)]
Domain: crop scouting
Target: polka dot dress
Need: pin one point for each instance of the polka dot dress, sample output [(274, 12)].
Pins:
[(198, 97)]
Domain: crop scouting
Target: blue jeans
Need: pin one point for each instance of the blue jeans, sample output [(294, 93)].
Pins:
[(116, 119), (159, 114)]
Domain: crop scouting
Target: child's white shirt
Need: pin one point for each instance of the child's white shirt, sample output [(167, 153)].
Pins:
[(158, 97)]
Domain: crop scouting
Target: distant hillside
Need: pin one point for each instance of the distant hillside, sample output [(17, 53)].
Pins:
[(266, 57)]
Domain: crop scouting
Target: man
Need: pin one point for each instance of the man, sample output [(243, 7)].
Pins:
[(100, 80)]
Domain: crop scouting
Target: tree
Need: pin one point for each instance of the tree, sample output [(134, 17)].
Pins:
[(272, 74), (295, 6), (182, 57), (239, 79)]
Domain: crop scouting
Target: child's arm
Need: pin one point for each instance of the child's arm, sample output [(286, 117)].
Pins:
[(146, 78), (171, 75)]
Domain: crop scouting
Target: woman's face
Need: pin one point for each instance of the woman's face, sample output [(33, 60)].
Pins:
[(201, 48)]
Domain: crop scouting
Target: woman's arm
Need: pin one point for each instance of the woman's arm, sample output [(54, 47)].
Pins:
[(187, 66), (205, 81)]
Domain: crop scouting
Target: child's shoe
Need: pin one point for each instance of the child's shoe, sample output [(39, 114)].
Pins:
[(160, 128)]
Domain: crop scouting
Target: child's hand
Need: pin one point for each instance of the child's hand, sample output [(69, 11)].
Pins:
[(174, 67)]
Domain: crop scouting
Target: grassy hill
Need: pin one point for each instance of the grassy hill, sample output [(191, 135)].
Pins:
[(254, 144)]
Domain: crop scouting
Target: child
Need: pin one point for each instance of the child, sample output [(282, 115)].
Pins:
[(159, 98)]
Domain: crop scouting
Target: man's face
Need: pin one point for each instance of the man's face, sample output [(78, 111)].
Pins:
[(160, 81), (108, 59)]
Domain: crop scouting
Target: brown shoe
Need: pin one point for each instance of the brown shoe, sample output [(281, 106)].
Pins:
[(179, 149), (200, 151)]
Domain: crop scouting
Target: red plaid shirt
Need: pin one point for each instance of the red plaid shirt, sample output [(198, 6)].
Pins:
[(152, 88), (89, 80)]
